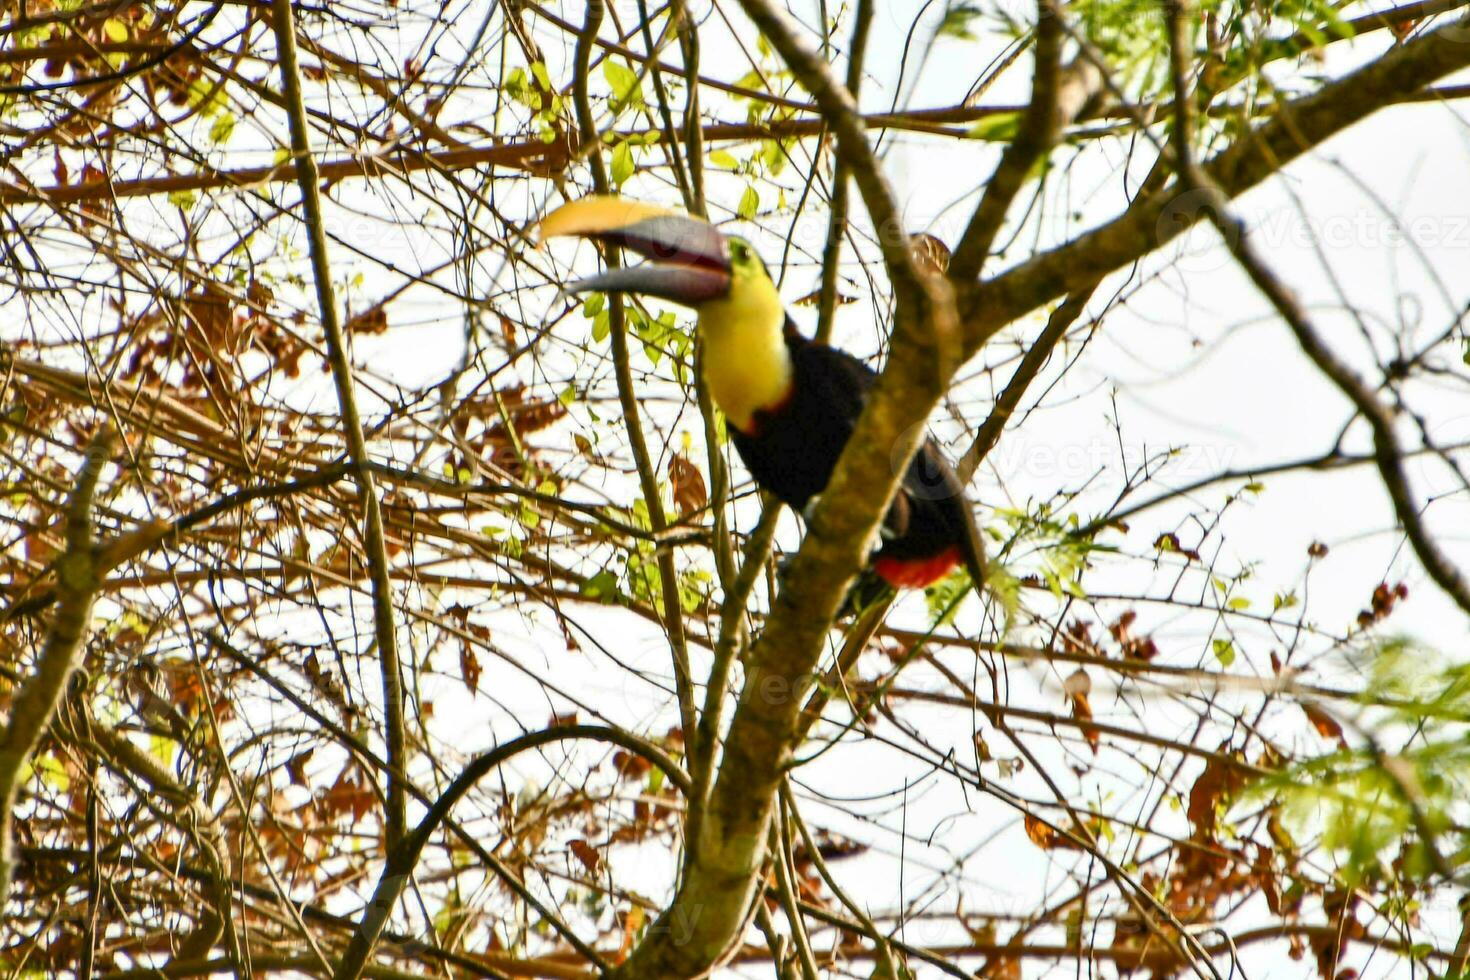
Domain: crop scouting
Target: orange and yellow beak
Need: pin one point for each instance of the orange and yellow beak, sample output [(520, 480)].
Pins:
[(689, 259)]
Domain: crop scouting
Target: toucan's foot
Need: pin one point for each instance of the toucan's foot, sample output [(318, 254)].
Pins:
[(867, 590)]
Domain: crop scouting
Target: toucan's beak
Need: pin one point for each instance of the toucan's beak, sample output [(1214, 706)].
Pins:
[(689, 260)]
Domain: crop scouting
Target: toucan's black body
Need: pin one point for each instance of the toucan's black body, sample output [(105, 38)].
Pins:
[(791, 403), (793, 447)]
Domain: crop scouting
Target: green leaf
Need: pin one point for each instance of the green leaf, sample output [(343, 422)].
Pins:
[(999, 128), (183, 200), (624, 83), (222, 128), (601, 326), (622, 164), (750, 202), (1224, 652), (726, 161), (774, 157), (116, 30), (1239, 603), (956, 23), (514, 84), (539, 70), (51, 771)]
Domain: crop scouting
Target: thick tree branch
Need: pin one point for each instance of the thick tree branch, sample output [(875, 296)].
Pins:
[(1058, 96), (77, 581), (1156, 219)]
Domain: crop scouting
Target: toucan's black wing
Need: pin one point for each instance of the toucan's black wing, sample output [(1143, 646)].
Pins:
[(932, 513), (794, 449)]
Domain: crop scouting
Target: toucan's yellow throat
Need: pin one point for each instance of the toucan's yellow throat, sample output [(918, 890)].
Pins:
[(746, 362)]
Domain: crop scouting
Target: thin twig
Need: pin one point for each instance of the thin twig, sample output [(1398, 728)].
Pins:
[(990, 430), (377, 552), (837, 214), (786, 889), (673, 612), (401, 862), (881, 945)]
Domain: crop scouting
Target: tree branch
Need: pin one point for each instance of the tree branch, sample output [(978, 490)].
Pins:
[(1035, 359), (77, 581), (837, 214), (377, 552), (725, 855), (1057, 97), (1156, 219), (401, 863), (1388, 451), (673, 613)]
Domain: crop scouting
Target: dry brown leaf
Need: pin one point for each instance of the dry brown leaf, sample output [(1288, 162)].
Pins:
[(687, 482), (1325, 724), (373, 320), (296, 767), (1045, 837), (1216, 782), (930, 254), (469, 667), (632, 925), (586, 854), (811, 299)]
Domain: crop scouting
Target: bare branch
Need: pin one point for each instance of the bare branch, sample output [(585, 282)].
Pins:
[(1153, 221), (35, 703), (385, 628), (1058, 96), (673, 614)]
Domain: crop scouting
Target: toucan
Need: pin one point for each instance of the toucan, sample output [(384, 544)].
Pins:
[(790, 402)]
